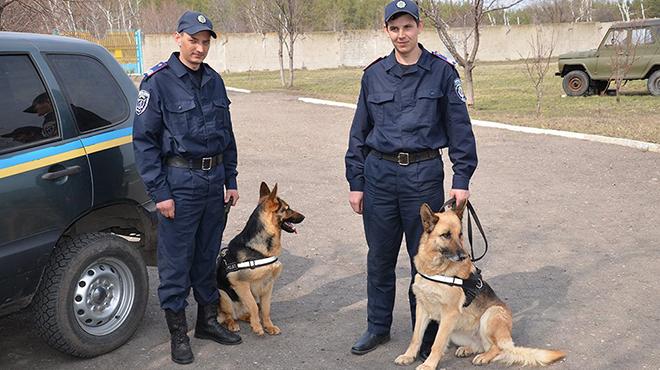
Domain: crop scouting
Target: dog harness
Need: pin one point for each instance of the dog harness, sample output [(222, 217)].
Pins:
[(250, 264), (471, 286)]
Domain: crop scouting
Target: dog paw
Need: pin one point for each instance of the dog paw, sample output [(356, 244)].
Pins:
[(425, 367), (404, 360), (480, 360), (233, 326), (272, 330), (258, 330), (464, 351)]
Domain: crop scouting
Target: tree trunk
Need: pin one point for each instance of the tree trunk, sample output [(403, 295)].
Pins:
[(280, 54), (2, 8), (469, 85), (291, 41)]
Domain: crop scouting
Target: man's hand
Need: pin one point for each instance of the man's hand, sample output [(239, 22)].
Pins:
[(166, 208), (231, 195), (461, 197), (355, 199)]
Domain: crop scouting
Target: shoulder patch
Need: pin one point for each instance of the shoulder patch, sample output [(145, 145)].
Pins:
[(449, 60), (374, 62), (151, 71)]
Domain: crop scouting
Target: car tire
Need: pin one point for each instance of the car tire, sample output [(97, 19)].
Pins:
[(653, 83), (92, 296), (576, 83)]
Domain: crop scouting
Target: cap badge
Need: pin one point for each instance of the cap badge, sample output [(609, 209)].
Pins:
[(201, 19), (401, 4)]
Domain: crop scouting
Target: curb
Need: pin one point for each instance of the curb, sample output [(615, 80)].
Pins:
[(640, 145), (236, 89)]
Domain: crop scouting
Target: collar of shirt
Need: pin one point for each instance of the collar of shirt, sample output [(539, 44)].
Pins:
[(180, 70), (424, 62)]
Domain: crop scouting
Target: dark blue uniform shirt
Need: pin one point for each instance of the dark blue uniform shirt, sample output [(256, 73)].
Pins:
[(176, 117), (414, 110)]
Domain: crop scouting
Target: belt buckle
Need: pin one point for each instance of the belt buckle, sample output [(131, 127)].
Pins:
[(403, 159), (206, 163)]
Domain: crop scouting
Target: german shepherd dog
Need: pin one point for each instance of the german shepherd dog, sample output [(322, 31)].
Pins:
[(484, 326), (244, 292)]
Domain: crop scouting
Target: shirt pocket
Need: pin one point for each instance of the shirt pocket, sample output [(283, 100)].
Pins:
[(428, 105), (179, 114), (221, 110), (376, 104)]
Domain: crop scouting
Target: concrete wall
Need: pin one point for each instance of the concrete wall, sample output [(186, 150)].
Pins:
[(239, 52)]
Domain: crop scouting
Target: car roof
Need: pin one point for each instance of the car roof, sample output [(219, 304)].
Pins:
[(21, 41), (637, 23)]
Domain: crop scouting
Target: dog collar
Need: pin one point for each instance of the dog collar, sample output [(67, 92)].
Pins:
[(471, 286), (250, 264)]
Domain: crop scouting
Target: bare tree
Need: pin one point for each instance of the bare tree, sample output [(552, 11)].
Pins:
[(624, 49), (469, 41), (537, 62), (286, 18)]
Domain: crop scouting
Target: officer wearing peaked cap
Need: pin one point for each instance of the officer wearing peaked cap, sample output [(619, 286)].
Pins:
[(186, 155), (411, 104)]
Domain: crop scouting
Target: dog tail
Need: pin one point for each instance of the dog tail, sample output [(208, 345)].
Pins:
[(522, 356)]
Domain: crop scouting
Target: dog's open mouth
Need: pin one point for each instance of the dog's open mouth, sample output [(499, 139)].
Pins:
[(288, 227)]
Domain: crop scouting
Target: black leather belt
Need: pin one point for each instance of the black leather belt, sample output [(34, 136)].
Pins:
[(205, 163), (405, 159)]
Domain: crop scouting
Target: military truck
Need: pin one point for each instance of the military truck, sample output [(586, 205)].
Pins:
[(77, 228), (632, 47)]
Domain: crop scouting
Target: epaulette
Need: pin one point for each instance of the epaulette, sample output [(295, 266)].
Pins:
[(451, 61), (151, 71), (374, 62)]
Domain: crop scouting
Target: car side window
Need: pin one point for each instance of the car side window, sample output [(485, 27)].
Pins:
[(616, 37), (642, 36), (28, 115), (95, 98)]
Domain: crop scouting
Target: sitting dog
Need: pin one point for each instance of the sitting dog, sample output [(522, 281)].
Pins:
[(248, 268), (449, 290)]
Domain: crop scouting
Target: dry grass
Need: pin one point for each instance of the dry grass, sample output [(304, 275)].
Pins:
[(503, 94)]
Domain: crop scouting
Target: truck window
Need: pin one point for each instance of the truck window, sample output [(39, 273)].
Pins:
[(642, 36), (616, 37), (95, 98), (28, 116)]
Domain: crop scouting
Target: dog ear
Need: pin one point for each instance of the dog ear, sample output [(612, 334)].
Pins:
[(273, 194), (429, 219), (263, 190), (459, 211)]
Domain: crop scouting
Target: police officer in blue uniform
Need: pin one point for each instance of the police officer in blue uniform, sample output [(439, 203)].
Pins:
[(411, 105), (186, 155)]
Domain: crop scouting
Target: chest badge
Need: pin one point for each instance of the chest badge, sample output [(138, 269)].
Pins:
[(142, 102)]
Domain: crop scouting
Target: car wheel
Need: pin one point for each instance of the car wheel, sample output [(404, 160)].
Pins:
[(576, 83), (92, 296), (653, 83)]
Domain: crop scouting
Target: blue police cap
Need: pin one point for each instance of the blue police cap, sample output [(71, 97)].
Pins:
[(401, 6), (193, 22)]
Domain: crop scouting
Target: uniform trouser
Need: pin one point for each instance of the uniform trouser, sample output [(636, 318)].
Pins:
[(188, 245), (393, 195)]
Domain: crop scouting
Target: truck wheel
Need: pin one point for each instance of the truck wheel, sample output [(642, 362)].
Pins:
[(576, 83), (92, 296), (653, 83)]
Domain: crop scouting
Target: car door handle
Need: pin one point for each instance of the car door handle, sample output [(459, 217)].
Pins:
[(57, 174)]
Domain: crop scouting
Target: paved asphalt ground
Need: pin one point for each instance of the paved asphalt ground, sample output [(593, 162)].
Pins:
[(573, 226)]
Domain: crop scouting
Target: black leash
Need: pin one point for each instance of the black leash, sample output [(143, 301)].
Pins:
[(471, 213), (227, 209)]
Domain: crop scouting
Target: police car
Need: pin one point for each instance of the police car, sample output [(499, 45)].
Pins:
[(77, 228)]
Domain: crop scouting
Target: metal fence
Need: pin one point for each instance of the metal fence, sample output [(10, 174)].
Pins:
[(125, 46)]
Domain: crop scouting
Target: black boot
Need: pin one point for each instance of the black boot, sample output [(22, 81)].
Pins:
[(208, 327), (180, 343)]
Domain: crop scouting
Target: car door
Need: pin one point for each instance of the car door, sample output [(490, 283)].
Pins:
[(643, 51), (45, 181), (611, 53)]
